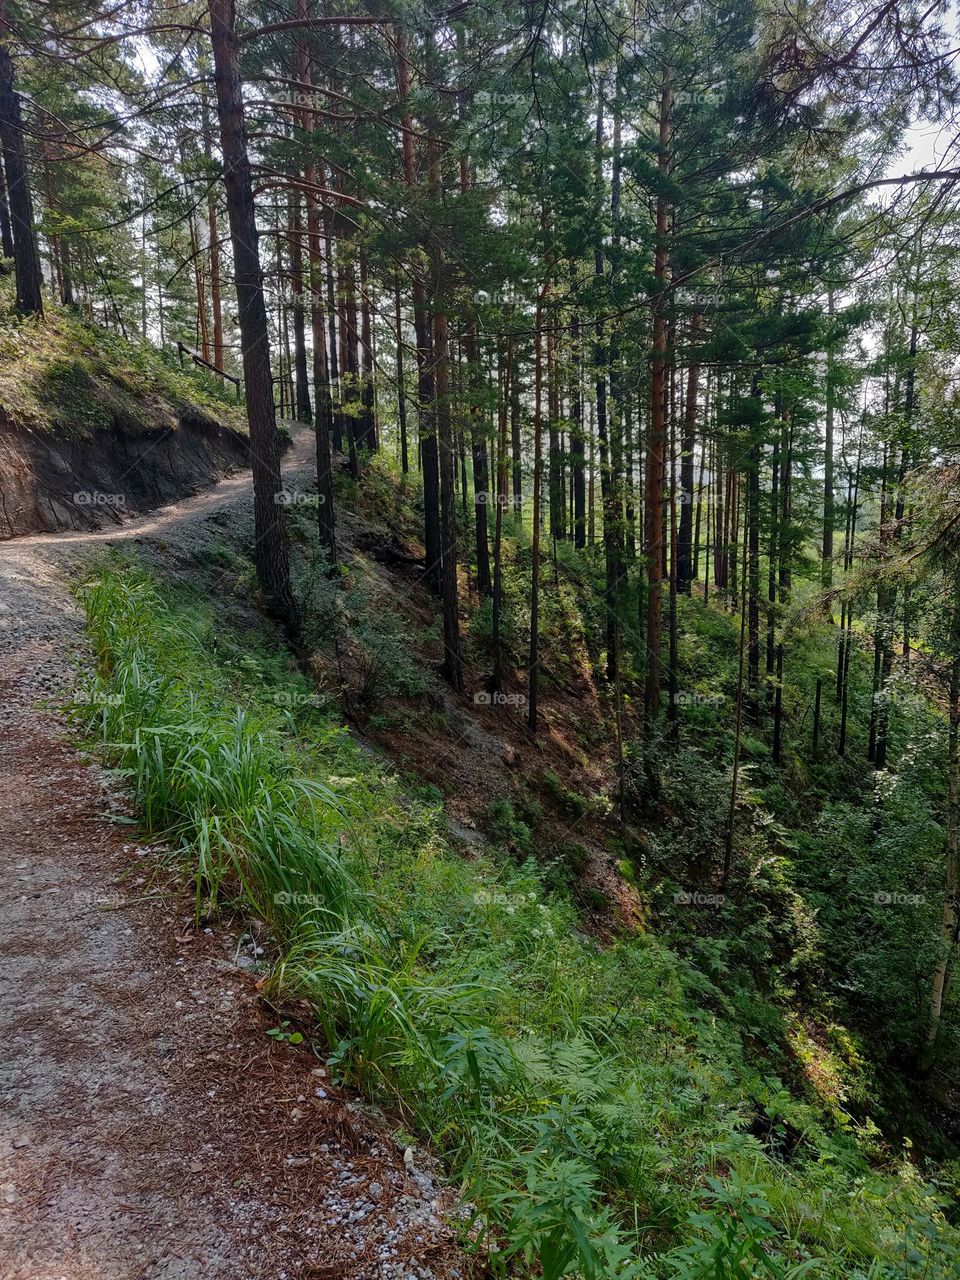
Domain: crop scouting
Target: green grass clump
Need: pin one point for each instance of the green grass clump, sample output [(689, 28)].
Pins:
[(596, 1101), (68, 377)]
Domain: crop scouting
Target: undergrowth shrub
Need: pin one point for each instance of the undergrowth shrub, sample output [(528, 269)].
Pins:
[(595, 1100)]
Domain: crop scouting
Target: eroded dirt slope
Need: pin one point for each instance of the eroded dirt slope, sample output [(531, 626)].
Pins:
[(48, 484)]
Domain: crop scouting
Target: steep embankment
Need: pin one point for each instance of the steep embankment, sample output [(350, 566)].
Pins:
[(94, 428)]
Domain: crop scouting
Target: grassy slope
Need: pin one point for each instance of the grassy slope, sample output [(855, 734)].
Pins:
[(679, 1096), (827, 937), (67, 378)]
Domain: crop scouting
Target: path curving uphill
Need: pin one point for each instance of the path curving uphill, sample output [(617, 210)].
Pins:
[(149, 1129)]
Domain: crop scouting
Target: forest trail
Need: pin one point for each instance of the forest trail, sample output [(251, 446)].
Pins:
[(230, 490), (150, 1129)]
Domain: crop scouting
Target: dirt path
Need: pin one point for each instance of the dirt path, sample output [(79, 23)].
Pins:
[(150, 1130)]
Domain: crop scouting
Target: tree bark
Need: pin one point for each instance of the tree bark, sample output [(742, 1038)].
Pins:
[(448, 516), (6, 233), (657, 437), (752, 518), (558, 529), (271, 549), (199, 285), (331, 254), (429, 454), (26, 258), (401, 386), (323, 399), (949, 919), (216, 302), (533, 675), (516, 448), (478, 445), (322, 392), (368, 416), (301, 378), (737, 739), (685, 557), (576, 430), (828, 494), (496, 678)]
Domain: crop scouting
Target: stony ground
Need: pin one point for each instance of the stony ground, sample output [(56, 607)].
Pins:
[(150, 1129)]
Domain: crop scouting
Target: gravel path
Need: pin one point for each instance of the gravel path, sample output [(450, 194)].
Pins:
[(150, 1130)]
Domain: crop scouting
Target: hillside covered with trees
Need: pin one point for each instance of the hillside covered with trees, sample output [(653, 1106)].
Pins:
[(571, 733)]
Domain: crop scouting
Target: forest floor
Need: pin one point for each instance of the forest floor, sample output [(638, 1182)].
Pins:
[(151, 1129)]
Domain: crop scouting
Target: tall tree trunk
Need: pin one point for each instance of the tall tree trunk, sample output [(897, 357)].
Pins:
[(613, 500), (323, 398), (199, 285), (880, 639), (347, 327), (478, 445), (6, 232), (709, 517), (611, 516), (721, 518), (533, 680), (752, 517), (429, 454), (847, 638), (368, 418), (496, 678), (737, 739), (772, 558), (331, 256), (213, 230), (672, 682), (271, 549), (949, 920), (591, 484), (558, 528), (283, 341), (629, 487), (445, 435), (734, 542), (26, 258), (322, 393), (448, 515), (401, 386), (785, 521), (685, 557), (301, 378), (828, 494), (67, 267), (576, 428), (516, 446), (657, 436), (53, 238), (778, 712)]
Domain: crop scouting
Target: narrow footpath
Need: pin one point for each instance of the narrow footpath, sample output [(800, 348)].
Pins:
[(149, 1128)]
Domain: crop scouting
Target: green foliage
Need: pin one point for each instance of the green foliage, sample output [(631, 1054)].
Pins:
[(507, 830), (368, 640), (595, 1100)]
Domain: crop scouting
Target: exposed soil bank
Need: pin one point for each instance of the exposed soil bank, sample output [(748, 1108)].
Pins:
[(48, 484)]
